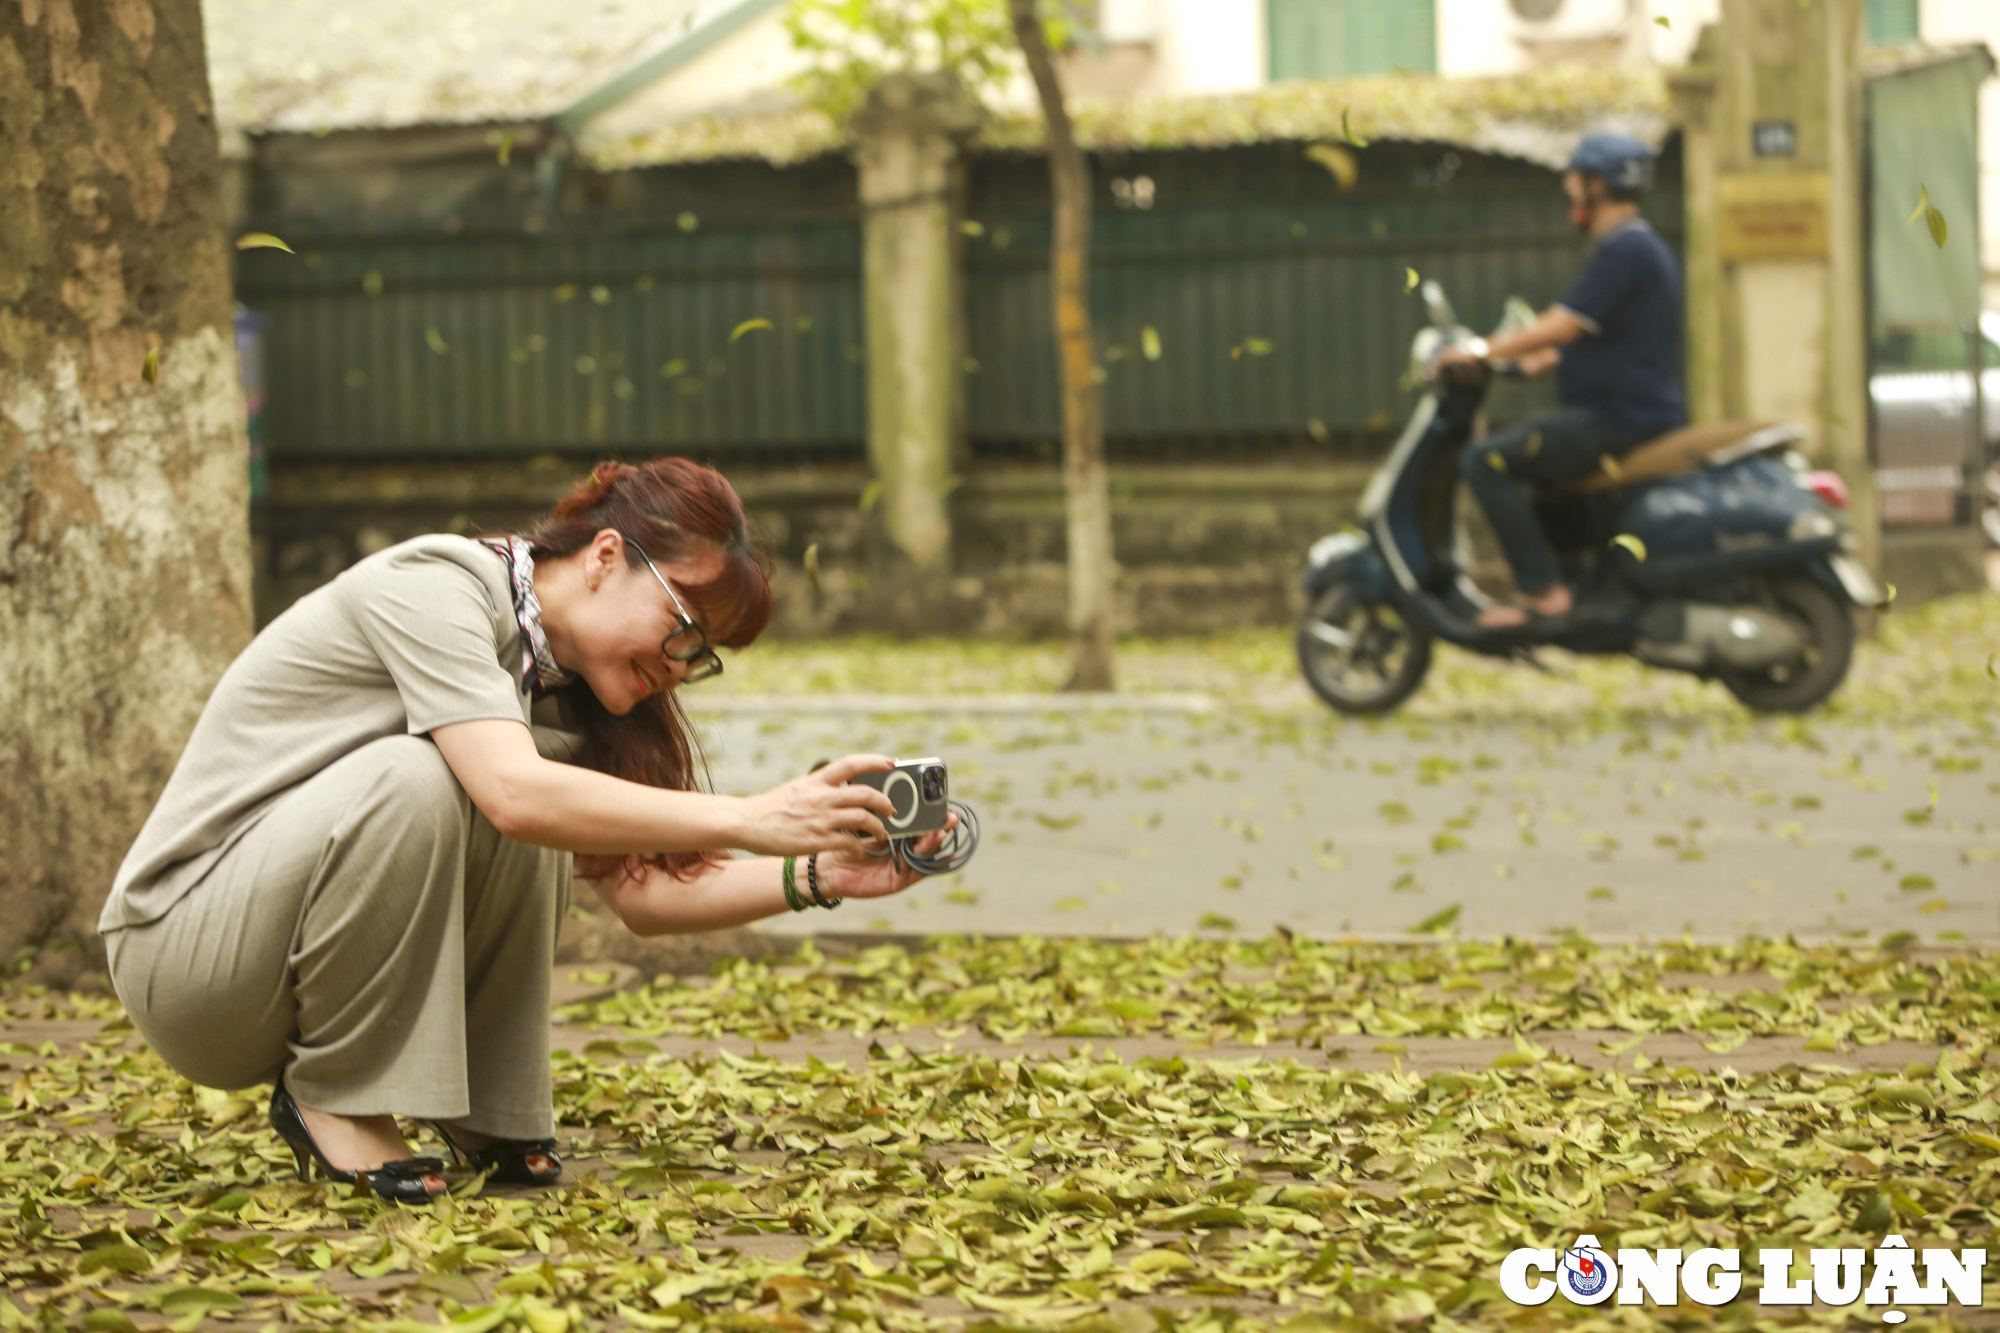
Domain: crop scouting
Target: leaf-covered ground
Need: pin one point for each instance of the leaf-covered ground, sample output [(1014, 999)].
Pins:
[(1176, 1134), (1929, 660), (952, 1161)]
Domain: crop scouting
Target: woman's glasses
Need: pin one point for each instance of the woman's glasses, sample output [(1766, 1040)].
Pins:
[(688, 643)]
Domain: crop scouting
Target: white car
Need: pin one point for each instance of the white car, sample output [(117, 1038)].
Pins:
[(1923, 433)]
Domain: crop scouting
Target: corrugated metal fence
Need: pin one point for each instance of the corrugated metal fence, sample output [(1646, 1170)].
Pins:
[(1241, 297)]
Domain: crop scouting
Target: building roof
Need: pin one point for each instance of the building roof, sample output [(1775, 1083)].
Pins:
[(1537, 115), (1884, 61), (310, 66)]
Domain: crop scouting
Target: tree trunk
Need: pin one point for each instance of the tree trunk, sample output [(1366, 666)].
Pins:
[(124, 533), (1092, 572)]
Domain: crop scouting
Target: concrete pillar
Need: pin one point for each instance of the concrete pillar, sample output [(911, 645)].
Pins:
[(1776, 255), (908, 140)]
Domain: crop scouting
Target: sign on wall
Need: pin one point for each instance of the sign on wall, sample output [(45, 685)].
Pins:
[(1772, 214)]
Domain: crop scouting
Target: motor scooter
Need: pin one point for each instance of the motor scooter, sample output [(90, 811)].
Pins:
[(1715, 551)]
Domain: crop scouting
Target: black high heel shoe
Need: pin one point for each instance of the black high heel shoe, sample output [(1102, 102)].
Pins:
[(410, 1180), (511, 1161)]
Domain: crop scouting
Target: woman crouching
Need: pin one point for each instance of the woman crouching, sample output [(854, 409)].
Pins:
[(352, 883)]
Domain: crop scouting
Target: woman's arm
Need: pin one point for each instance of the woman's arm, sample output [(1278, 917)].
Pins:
[(741, 891), (732, 894), (573, 809)]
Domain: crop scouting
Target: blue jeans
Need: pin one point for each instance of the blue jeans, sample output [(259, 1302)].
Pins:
[(1543, 451), (1557, 446)]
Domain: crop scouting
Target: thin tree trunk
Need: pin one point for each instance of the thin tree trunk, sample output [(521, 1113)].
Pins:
[(124, 532), (1087, 486)]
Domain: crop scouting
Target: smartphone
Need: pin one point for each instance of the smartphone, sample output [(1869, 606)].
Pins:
[(921, 792)]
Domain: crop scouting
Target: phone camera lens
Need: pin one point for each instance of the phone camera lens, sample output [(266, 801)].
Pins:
[(934, 783)]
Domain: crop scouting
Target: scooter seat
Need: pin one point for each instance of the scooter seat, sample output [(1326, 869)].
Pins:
[(1688, 449)]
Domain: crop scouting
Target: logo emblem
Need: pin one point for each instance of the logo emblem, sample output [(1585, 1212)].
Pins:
[(1586, 1274)]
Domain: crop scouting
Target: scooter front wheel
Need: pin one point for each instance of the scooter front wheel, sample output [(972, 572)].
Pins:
[(1361, 659)]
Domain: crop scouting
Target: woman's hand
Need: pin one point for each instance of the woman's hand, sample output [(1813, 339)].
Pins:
[(851, 873), (819, 812)]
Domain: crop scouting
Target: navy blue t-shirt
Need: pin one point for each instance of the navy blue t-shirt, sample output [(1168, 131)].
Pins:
[(1626, 367)]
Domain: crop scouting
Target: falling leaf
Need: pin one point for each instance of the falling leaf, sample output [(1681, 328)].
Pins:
[(1437, 922), (1632, 544), (803, 324), (371, 282), (1612, 467), (811, 561), (506, 147), (870, 494), (748, 325), (673, 368), (1215, 921), (687, 222), (1410, 280), (1257, 346), (149, 369), (435, 340), (1888, 597), (1149, 342), (1933, 219), (261, 240), (971, 228), (1663, 21), (1495, 461), (1338, 161), (1534, 445), (1347, 131), (1993, 666), (564, 292)]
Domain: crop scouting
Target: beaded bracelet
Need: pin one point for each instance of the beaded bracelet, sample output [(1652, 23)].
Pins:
[(791, 885), (812, 883)]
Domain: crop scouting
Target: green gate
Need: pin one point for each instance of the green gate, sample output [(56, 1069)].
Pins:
[(1244, 299), (717, 340), (1257, 301)]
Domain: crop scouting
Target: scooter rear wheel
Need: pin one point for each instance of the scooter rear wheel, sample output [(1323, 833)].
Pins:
[(1829, 649), (1360, 659)]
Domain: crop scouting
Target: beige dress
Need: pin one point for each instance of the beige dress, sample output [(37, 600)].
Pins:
[(315, 895)]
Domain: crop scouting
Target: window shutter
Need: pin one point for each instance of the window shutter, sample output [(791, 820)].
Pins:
[(1328, 39), (1893, 22)]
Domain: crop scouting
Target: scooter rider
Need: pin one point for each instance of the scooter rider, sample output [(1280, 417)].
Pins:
[(1615, 342)]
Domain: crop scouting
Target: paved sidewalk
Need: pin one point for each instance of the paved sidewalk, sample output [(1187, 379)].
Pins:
[(1131, 822)]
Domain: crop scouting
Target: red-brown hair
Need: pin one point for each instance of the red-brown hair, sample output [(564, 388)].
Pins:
[(673, 509)]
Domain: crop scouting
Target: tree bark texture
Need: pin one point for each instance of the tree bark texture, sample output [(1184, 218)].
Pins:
[(124, 531), (1092, 569)]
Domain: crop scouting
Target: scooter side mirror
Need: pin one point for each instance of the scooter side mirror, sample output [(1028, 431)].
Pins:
[(1515, 316), (1439, 306)]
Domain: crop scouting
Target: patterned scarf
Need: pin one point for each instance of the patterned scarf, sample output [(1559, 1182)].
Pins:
[(539, 672)]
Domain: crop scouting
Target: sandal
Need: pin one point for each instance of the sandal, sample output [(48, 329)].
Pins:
[(1531, 616), (409, 1180), (508, 1161)]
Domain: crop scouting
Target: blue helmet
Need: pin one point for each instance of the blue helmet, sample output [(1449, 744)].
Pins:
[(1625, 163)]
